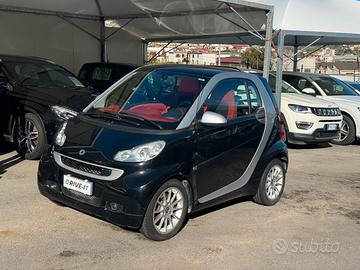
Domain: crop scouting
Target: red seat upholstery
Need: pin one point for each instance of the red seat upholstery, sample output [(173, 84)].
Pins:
[(229, 101), (189, 87)]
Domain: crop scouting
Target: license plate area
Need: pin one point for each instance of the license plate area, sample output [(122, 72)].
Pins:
[(79, 185), (332, 127)]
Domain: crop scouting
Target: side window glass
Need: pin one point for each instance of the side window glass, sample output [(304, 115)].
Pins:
[(255, 102), (222, 98), (233, 98), (302, 84)]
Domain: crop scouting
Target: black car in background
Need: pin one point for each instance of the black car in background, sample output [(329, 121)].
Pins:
[(101, 76), (36, 96), (168, 141)]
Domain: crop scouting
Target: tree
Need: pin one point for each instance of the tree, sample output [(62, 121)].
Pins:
[(253, 58)]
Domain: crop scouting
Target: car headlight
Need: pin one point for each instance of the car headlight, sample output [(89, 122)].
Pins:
[(300, 109), (63, 113), (60, 137), (140, 153)]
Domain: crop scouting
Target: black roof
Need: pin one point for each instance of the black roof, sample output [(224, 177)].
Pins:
[(9, 57)]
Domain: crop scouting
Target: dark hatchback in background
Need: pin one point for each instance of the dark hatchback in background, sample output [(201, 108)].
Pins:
[(101, 76), (36, 96), (167, 141)]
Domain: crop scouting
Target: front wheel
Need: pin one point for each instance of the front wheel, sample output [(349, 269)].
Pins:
[(347, 132), (166, 212), (272, 184), (30, 138)]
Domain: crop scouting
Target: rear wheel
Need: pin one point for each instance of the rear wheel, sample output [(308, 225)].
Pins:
[(347, 132), (272, 184), (30, 138), (166, 212)]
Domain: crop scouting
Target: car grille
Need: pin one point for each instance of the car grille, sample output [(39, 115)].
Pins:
[(326, 111), (85, 167)]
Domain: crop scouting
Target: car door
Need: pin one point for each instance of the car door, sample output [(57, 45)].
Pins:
[(224, 153)]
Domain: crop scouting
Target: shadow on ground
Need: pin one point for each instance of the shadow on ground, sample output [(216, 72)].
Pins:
[(6, 163), (309, 146)]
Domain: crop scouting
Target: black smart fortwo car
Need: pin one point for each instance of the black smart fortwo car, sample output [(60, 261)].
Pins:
[(166, 141)]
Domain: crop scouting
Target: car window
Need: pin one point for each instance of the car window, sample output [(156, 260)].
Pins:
[(233, 98), (101, 74), (253, 96), (41, 74), (300, 83), (162, 96), (286, 87), (334, 87)]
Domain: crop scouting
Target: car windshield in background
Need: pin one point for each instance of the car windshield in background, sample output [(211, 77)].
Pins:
[(152, 99), (41, 74), (355, 85), (334, 87), (285, 88)]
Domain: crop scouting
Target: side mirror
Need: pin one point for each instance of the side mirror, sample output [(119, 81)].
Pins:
[(213, 119), (309, 91)]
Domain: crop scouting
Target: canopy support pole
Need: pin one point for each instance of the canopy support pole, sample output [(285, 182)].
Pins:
[(268, 41), (145, 52), (279, 67), (78, 27), (296, 48), (102, 40)]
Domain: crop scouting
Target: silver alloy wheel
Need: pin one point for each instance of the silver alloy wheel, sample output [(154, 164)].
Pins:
[(168, 210), (274, 182), (28, 136), (344, 131)]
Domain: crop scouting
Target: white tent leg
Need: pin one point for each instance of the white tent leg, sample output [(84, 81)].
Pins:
[(267, 53), (279, 67)]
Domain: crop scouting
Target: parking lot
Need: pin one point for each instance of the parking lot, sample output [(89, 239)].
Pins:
[(316, 225)]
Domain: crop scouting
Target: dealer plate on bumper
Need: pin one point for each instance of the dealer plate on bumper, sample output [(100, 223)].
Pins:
[(79, 185), (332, 127)]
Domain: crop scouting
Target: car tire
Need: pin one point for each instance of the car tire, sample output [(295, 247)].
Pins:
[(273, 178), (348, 126), (164, 219), (30, 138)]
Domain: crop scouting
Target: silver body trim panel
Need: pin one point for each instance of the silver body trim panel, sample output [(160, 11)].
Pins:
[(270, 114), (115, 173)]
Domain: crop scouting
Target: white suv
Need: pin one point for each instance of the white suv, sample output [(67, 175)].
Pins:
[(307, 119), (332, 89)]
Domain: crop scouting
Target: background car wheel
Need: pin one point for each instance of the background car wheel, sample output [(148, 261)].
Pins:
[(166, 212), (347, 132), (272, 184), (30, 138)]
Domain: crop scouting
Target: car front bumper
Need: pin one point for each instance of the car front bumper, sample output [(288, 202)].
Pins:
[(108, 203), (318, 136)]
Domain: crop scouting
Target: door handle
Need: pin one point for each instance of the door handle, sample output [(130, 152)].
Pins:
[(260, 115)]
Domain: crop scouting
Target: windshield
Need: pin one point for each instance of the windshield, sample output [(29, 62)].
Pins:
[(355, 85), (151, 98), (285, 88), (41, 74), (334, 87)]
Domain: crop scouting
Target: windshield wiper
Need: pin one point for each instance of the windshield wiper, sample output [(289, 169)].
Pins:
[(140, 118), (112, 116)]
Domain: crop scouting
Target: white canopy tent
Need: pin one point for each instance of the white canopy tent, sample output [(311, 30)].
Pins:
[(78, 26)]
